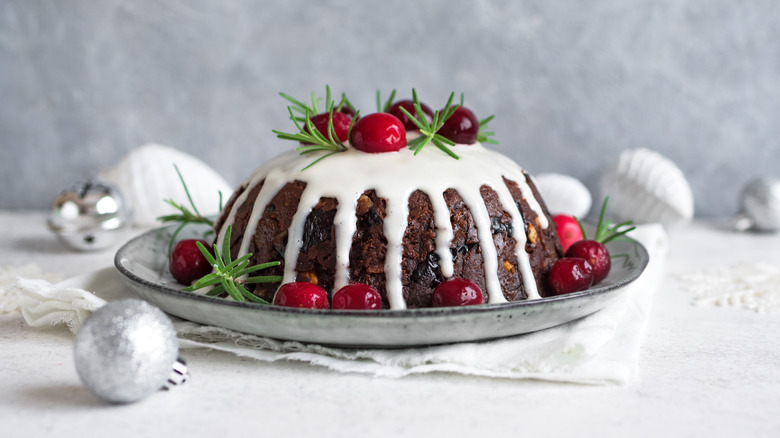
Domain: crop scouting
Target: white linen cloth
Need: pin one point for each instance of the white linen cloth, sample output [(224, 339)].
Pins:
[(602, 348)]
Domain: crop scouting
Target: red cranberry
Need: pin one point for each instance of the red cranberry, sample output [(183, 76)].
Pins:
[(462, 127), (570, 274), (457, 292), (301, 294), (341, 122), (408, 105), (596, 254), (378, 132), (569, 230), (187, 263), (358, 296)]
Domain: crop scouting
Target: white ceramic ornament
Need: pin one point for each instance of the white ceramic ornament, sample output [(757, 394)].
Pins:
[(564, 194), (147, 177), (645, 187)]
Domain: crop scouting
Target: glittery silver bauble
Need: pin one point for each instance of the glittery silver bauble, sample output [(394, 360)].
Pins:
[(89, 215), (759, 206), (126, 350)]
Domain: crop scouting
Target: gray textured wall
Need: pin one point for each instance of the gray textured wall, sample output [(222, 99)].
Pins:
[(572, 82)]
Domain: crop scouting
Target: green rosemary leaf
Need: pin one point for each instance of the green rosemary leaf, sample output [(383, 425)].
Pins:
[(416, 120), (618, 234), (388, 102), (382, 108), (173, 237), (264, 279), (438, 141), (244, 258), (294, 137), (238, 271), (419, 146), (207, 254), (412, 144), (345, 103), (200, 284), (220, 264), (186, 190), (314, 100), (267, 265), (320, 159), (484, 136), (309, 148), (217, 291), (254, 298), (230, 287), (485, 121), (226, 254), (256, 268), (297, 104)]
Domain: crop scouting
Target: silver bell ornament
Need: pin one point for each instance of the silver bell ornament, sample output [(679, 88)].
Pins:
[(759, 205), (127, 350), (89, 215)]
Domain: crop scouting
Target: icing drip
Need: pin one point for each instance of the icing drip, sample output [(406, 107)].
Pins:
[(394, 176)]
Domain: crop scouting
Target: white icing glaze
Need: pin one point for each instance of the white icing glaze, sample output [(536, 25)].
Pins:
[(394, 176)]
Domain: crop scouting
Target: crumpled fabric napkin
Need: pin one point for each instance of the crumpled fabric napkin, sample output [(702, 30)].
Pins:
[(602, 348)]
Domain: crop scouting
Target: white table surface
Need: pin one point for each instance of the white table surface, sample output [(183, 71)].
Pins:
[(705, 371)]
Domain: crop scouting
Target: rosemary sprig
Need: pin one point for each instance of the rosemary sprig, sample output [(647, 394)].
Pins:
[(383, 108), (607, 231), (311, 138), (345, 103), (185, 216), (428, 130), (484, 136), (230, 276), (304, 108)]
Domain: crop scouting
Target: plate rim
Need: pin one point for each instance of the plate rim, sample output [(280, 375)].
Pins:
[(643, 258)]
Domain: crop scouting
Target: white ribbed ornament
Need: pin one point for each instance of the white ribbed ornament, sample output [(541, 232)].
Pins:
[(646, 187), (564, 194), (146, 177)]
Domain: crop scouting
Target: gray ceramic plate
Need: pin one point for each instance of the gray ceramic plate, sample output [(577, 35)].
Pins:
[(142, 263)]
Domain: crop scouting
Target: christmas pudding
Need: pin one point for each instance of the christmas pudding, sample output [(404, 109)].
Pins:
[(401, 200)]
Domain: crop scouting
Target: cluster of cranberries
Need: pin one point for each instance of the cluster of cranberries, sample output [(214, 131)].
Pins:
[(360, 296), (188, 264), (386, 131), (585, 262)]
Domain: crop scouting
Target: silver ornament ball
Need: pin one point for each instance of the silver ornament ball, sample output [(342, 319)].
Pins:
[(88, 216), (126, 350), (760, 205)]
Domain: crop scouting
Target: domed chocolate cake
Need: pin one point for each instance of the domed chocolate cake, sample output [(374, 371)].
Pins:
[(398, 222)]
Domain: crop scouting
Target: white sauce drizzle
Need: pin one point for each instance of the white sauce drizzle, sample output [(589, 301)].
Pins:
[(394, 176)]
